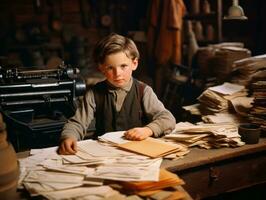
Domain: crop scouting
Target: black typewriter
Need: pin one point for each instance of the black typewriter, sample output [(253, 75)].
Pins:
[(36, 103)]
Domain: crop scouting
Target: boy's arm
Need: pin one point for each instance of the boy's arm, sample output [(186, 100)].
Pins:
[(161, 119), (76, 126)]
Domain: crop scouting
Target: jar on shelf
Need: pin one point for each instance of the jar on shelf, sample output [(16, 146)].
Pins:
[(198, 30), (210, 32), (206, 8), (195, 7)]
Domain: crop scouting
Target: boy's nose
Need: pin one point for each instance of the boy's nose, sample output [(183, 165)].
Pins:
[(117, 71)]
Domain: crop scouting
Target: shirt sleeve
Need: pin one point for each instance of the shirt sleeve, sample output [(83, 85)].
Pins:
[(161, 120), (77, 125)]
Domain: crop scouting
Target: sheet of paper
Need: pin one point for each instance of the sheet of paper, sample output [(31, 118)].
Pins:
[(96, 149), (100, 191), (227, 88), (116, 137), (242, 105), (44, 176)]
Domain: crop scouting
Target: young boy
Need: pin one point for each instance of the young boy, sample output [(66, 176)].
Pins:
[(120, 102)]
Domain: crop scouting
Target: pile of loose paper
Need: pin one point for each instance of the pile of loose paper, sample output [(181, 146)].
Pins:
[(216, 99), (226, 103), (206, 135), (81, 176)]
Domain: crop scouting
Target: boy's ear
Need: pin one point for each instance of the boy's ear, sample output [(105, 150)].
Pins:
[(135, 63)]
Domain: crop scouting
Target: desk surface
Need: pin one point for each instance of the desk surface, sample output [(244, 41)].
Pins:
[(197, 157)]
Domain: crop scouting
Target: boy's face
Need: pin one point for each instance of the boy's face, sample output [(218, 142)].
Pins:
[(118, 68)]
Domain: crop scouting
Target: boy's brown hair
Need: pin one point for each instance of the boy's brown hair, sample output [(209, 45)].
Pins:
[(114, 43)]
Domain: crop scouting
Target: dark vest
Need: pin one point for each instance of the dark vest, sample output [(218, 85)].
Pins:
[(130, 115)]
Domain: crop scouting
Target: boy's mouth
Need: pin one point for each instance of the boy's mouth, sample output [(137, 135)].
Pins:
[(118, 80)]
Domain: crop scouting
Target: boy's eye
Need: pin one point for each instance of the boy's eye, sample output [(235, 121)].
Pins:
[(109, 68), (123, 66)]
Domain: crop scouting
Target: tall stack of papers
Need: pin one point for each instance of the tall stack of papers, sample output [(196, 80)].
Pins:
[(258, 110), (216, 99), (206, 135), (245, 69), (223, 60)]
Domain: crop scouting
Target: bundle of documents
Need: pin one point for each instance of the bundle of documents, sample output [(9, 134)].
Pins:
[(223, 59), (206, 135), (167, 179), (216, 99), (51, 175), (258, 110), (245, 69), (151, 147)]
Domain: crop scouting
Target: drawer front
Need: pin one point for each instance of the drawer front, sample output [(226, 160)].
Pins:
[(225, 176)]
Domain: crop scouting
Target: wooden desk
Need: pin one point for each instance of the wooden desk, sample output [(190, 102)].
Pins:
[(211, 172)]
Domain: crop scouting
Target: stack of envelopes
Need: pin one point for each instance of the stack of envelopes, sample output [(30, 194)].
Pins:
[(151, 147), (167, 179)]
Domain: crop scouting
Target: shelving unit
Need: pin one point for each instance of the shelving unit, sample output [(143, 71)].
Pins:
[(213, 18)]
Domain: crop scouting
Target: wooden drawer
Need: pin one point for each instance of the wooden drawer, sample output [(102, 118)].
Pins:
[(224, 176)]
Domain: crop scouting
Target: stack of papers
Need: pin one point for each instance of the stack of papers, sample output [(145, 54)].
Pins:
[(223, 59), (216, 99), (48, 174), (206, 135), (167, 179), (151, 147), (258, 110), (245, 69)]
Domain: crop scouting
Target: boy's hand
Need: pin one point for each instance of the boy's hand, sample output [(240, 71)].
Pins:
[(68, 146), (138, 133)]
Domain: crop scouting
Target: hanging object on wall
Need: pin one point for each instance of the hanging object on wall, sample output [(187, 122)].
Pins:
[(236, 12)]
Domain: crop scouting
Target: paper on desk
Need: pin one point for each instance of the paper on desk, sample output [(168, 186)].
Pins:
[(96, 149), (116, 137), (55, 166), (221, 118), (166, 179), (242, 105), (37, 188), (227, 88), (206, 135), (150, 147), (127, 173), (102, 192), (53, 177)]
